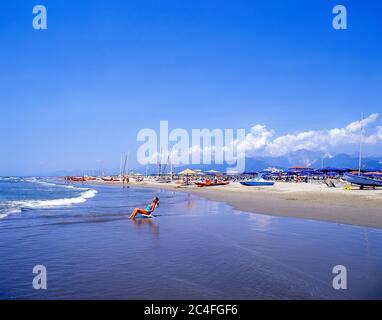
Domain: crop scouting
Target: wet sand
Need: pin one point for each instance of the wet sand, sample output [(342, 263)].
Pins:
[(298, 200), (193, 248)]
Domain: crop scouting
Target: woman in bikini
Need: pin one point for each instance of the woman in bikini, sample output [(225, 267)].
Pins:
[(147, 211)]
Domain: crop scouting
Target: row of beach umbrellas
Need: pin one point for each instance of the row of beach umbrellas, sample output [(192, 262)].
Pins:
[(191, 172), (197, 172)]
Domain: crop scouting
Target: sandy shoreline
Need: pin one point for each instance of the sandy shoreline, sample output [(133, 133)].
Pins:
[(298, 200)]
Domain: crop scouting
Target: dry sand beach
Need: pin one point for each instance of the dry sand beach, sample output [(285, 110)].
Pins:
[(299, 200)]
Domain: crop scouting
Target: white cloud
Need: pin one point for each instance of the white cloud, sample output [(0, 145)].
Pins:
[(375, 137), (256, 140), (260, 140)]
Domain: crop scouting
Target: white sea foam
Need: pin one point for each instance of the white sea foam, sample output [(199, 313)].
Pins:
[(51, 184), (58, 202), (13, 207), (44, 183), (9, 179), (8, 208)]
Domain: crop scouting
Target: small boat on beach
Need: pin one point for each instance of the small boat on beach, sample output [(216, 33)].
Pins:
[(211, 184), (255, 183), (258, 182), (111, 179), (75, 179), (362, 181)]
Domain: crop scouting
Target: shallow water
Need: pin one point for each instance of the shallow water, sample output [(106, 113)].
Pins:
[(193, 249)]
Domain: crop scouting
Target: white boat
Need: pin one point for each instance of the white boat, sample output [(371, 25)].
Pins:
[(362, 180), (258, 182)]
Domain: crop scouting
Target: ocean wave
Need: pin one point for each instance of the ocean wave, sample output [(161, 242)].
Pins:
[(13, 207), (51, 184), (40, 181), (10, 179), (9, 208)]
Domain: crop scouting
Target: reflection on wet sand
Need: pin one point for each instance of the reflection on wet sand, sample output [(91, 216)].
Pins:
[(140, 223)]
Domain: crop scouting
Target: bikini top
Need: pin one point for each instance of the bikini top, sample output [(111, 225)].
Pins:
[(148, 208)]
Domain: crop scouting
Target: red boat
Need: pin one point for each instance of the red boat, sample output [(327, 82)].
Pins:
[(211, 184), (76, 179)]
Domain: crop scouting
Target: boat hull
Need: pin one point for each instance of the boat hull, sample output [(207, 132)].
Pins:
[(257, 183), (206, 184), (76, 179), (111, 180), (362, 181)]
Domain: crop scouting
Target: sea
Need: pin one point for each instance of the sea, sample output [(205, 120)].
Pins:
[(193, 248)]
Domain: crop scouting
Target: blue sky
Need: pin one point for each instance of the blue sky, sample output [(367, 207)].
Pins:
[(80, 91)]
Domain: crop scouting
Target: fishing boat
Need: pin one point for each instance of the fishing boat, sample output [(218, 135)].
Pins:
[(362, 181)]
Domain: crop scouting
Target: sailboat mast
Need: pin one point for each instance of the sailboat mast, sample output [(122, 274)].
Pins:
[(160, 163), (120, 167), (171, 173), (360, 147), (127, 163), (124, 167)]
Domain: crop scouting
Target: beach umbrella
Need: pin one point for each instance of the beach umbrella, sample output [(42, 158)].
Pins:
[(187, 172), (332, 174), (334, 169), (250, 172)]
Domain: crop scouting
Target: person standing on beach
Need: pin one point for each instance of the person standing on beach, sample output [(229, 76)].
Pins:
[(147, 211)]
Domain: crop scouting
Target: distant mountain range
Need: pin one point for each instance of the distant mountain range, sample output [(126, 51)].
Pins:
[(299, 158)]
